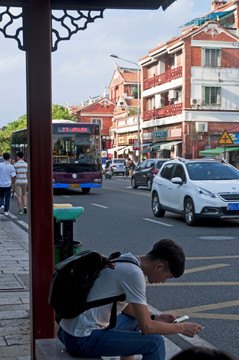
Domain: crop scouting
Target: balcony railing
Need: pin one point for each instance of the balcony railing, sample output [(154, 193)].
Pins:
[(163, 78), (164, 111)]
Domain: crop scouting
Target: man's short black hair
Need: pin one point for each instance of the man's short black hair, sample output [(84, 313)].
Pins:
[(6, 156), (171, 252), (20, 154)]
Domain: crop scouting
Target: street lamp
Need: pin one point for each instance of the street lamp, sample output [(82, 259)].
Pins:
[(138, 110)]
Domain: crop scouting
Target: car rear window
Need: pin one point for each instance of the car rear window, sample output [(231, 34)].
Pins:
[(212, 171), (118, 161)]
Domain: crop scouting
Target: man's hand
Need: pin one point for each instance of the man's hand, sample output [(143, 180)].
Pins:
[(166, 318), (190, 329)]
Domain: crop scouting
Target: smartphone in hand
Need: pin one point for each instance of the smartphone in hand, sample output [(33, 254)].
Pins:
[(181, 319)]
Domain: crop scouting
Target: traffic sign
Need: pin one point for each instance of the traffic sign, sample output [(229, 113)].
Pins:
[(225, 138)]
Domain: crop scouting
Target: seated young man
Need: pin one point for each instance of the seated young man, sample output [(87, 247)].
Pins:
[(137, 330)]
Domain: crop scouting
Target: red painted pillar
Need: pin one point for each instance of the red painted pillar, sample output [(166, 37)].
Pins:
[(38, 68)]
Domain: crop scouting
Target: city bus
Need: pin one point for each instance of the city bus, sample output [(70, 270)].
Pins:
[(76, 154)]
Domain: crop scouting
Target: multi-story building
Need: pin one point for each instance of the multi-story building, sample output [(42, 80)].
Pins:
[(123, 90), (98, 110), (190, 85)]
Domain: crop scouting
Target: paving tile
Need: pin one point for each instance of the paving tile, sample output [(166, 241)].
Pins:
[(9, 281), (14, 326), (15, 351), (19, 339), (21, 314), (2, 342)]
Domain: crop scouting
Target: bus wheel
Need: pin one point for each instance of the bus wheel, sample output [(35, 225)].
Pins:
[(85, 190)]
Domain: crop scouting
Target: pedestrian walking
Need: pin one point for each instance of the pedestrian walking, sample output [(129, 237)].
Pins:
[(21, 169), (137, 331), (7, 181)]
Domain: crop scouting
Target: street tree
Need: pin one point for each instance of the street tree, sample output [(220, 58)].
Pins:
[(58, 112)]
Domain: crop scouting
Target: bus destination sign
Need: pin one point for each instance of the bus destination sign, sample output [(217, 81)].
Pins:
[(66, 129)]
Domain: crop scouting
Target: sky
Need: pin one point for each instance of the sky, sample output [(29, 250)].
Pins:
[(81, 66)]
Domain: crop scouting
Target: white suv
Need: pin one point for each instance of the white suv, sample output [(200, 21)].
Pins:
[(203, 188)]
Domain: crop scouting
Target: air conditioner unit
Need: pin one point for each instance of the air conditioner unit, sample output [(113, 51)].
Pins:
[(201, 127), (195, 102), (172, 94)]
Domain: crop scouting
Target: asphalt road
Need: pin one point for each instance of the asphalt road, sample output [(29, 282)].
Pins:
[(119, 218)]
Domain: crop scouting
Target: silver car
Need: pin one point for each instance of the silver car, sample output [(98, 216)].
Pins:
[(118, 166)]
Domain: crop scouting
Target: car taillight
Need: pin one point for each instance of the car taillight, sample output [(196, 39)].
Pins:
[(155, 171), (114, 165)]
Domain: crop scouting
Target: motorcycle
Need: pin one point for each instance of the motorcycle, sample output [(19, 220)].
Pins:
[(108, 173)]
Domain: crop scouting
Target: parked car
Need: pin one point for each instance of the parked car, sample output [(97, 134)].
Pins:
[(204, 188), (145, 172), (118, 166), (1, 159)]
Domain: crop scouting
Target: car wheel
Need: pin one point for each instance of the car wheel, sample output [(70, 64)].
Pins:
[(157, 211), (189, 212), (149, 184), (134, 186)]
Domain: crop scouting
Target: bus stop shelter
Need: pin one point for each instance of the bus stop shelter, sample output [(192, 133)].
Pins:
[(38, 39)]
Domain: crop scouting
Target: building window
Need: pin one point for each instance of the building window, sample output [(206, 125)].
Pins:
[(212, 95), (211, 57), (97, 121)]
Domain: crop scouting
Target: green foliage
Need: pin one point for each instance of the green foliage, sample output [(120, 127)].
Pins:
[(133, 111), (58, 112), (6, 134)]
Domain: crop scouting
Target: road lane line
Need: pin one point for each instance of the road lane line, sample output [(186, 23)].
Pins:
[(201, 311), (208, 307), (203, 268), (213, 257), (101, 206), (158, 222), (199, 283)]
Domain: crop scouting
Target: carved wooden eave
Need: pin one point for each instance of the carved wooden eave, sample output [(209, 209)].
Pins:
[(85, 12), (97, 4)]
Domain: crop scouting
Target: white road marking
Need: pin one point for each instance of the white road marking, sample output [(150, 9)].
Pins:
[(101, 206), (158, 222), (12, 216), (23, 223)]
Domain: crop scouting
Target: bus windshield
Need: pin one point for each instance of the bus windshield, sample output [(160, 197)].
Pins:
[(76, 148), (76, 153)]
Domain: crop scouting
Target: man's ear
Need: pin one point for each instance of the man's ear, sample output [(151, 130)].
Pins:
[(159, 266)]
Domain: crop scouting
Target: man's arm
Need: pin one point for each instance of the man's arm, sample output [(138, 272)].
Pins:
[(168, 318), (149, 326), (13, 181)]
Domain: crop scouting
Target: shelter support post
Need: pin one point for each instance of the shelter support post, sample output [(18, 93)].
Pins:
[(37, 18)]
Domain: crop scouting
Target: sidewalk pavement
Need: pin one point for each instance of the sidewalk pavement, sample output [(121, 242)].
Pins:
[(14, 294)]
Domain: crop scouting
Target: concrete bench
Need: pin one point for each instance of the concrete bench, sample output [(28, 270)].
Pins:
[(52, 349)]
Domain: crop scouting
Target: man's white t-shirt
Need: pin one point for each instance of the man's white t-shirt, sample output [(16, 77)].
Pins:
[(7, 172), (125, 278)]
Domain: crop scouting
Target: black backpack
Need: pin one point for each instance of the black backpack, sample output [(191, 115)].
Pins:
[(72, 280)]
